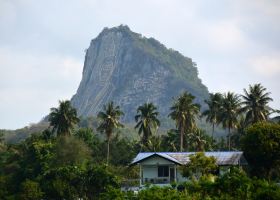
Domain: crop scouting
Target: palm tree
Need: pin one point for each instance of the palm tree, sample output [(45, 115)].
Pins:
[(229, 112), (212, 114), (63, 118), (146, 120), (198, 140), (109, 117), (184, 112), (255, 103), (171, 140), (239, 132), (154, 143)]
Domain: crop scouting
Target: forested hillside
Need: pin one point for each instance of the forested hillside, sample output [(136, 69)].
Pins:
[(71, 161)]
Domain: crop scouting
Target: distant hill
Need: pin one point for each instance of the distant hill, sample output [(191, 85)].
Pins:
[(18, 135), (129, 69)]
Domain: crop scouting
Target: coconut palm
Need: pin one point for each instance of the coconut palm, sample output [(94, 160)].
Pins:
[(154, 143), (171, 140), (146, 120), (230, 112), (109, 117), (255, 102), (198, 140), (214, 108), (63, 118), (184, 112)]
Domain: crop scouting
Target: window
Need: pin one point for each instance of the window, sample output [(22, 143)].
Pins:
[(163, 171)]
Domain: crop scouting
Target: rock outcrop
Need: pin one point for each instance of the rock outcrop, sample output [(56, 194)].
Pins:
[(129, 69)]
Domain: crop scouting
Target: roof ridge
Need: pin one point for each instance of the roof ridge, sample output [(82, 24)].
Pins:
[(192, 152)]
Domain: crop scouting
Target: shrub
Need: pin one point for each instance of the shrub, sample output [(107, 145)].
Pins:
[(30, 190)]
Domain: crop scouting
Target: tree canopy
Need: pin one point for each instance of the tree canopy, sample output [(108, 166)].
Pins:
[(184, 112), (109, 117), (261, 146), (200, 165), (229, 114), (255, 104), (213, 112), (146, 120), (63, 118)]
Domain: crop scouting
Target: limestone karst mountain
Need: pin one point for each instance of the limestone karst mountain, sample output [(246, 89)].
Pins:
[(129, 69)]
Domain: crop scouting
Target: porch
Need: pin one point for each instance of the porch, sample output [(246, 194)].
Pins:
[(158, 174)]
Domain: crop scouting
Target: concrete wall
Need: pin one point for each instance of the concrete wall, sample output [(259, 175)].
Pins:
[(223, 170), (180, 178), (150, 172), (150, 168), (155, 160)]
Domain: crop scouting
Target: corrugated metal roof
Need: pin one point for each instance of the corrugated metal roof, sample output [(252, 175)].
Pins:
[(143, 156), (223, 157)]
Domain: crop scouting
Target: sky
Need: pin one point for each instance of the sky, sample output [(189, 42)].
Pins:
[(42, 45)]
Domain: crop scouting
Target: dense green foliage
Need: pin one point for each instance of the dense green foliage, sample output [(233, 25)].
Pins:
[(212, 114), (48, 168), (261, 145), (229, 113), (256, 104), (61, 167), (234, 185), (184, 112), (147, 121), (30, 190), (63, 118), (199, 166), (19, 135), (109, 117), (69, 163)]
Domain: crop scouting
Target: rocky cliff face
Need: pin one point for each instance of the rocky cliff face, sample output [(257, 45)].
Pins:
[(124, 67)]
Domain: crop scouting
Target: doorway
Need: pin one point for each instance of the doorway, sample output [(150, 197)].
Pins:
[(172, 174)]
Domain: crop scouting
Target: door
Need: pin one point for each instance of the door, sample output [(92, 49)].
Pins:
[(172, 174)]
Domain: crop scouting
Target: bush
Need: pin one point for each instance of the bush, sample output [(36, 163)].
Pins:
[(199, 165), (261, 146), (114, 194), (264, 190), (165, 193), (30, 190), (235, 183)]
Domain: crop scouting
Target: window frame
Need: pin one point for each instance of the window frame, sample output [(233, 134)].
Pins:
[(163, 171)]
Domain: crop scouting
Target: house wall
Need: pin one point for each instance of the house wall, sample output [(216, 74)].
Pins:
[(180, 178), (150, 168), (156, 160), (150, 172)]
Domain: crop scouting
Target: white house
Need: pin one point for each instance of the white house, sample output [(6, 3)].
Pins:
[(162, 167)]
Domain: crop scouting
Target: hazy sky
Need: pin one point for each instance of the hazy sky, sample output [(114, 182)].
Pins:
[(234, 43)]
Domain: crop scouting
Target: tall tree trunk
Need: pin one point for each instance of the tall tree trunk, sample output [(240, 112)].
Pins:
[(213, 127), (145, 137), (108, 151), (182, 139), (199, 146), (229, 141)]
